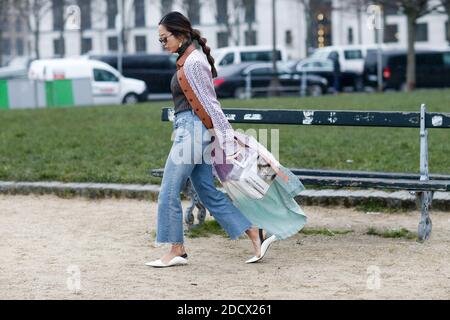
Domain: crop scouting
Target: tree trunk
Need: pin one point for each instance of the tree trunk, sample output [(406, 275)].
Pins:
[(3, 17), (359, 18), (81, 40), (448, 24), (446, 5), (237, 39), (125, 36), (62, 45), (1, 42), (274, 82), (308, 38), (29, 31), (36, 40), (411, 62)]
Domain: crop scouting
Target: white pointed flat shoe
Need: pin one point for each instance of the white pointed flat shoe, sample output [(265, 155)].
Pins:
[(176, 261), (264, 247)]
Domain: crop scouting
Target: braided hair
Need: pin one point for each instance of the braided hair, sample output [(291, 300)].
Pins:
[(179, 25)]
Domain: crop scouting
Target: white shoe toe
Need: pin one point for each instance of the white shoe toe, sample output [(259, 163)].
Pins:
[(264, 247), (253, 259), (176, 261)]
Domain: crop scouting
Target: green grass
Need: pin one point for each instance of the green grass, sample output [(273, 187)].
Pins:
[(206, 229), (394, 233), (323, 232), (375, 206), (121, 144)]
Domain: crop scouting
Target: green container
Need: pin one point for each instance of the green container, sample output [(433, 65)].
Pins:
[(59, 93), (4, 98)]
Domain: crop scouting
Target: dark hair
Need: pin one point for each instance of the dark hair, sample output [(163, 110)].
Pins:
[(179, 25)]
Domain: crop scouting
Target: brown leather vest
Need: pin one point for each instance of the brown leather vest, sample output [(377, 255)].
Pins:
[(198, 108), (189, 93)]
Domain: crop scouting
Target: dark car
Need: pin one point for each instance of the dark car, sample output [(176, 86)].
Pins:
[(432, 69), (233, 80), (155, 69), (324, 67)]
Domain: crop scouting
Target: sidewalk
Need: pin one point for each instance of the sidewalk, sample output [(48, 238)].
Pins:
[(326, 197)]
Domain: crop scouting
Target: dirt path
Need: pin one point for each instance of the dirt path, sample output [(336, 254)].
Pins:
[(55, 248)]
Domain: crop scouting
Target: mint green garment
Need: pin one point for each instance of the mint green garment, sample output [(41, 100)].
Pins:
[(277, 212)]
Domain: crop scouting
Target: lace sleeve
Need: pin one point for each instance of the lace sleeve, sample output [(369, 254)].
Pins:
[(199, 76)]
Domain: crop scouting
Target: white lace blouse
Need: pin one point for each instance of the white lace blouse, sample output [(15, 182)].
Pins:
[(198, 73)]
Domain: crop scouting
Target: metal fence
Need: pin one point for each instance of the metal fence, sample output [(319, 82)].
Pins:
[(301, 89), (32, 94)]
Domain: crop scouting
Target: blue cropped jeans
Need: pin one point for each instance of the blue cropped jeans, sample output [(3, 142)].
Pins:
[(186, 160)]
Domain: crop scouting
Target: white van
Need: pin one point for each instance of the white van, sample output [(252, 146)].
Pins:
[(234, 55), (351, 57), (108, 85)]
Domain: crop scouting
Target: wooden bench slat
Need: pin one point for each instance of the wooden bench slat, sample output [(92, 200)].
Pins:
[(397, 184), (365, 174), (348, 174), (157, 172), (330, 117), (378, 183)]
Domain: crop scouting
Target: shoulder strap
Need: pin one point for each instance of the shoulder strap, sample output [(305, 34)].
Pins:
[(197, 107)]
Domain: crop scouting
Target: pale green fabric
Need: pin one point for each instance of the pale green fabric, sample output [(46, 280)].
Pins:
[(277, 212)]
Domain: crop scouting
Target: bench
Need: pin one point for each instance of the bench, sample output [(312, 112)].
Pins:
[(423, 185)]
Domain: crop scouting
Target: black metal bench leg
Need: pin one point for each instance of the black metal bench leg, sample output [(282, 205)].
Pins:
[(425, 224), (195, 202)]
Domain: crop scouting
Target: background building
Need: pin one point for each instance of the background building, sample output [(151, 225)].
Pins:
[(302, 25), (350, 25)]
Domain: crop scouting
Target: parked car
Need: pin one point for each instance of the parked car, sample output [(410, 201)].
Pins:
[(351, 57), (108, 85), (432, 69), (156, 70), (231, 80), (324, 68), (235, 55), (17, 68)]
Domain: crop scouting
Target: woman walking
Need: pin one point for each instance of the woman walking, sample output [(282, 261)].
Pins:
[(191, 86)]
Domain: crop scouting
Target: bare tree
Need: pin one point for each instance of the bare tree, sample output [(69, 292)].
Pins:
[(413, 9), (5, 6), (127, 25), (223, 15), (33, 12), (358, 7), (60, 7), (98, 13), (446, 10), (166, 6), (274, 82), (233, 19), (308, 23), (84, 5)]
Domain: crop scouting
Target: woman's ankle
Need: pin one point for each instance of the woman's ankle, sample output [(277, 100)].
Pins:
[(178, 249), (253, 233)]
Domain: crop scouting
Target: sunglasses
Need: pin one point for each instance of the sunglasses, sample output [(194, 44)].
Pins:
[(164, 40)]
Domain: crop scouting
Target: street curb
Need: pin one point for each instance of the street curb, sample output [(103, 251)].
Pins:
[(88, 190), (371, 198), (326, 197)]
